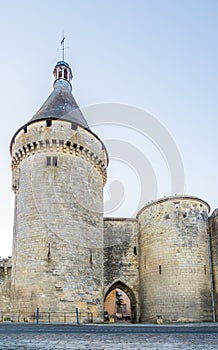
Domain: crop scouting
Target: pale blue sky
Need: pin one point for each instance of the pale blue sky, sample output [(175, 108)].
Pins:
[(160, 56)]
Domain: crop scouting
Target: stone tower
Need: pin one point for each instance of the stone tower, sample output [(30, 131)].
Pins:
[(174, 264), (214, 257), (59, 169)]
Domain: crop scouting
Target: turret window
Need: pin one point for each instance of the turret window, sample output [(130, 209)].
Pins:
[(65, 74), (60, 74)]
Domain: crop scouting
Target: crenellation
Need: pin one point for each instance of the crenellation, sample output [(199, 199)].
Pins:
[(58, 146)]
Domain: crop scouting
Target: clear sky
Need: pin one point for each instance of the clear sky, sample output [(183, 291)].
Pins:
[(159, 56)]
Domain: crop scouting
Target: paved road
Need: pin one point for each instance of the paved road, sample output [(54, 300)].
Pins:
[(108, 337)]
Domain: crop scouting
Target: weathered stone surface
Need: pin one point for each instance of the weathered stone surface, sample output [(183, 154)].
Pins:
[(58, 231), (214, 255), (173, 260), (5, 287), (121, 259), (160, 259)]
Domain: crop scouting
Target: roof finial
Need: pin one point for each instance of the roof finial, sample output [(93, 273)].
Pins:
[(63, 48)]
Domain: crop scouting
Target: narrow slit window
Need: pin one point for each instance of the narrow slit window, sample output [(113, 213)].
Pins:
[(160, 270), (49, 251), (145, 262), (90, 257), (135, 251), (205, 269)]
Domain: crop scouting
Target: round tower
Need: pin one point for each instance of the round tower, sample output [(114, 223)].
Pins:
[(214, 258), (59, 169), (174, 264)]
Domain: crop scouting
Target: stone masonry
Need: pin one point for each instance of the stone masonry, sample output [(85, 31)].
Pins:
[(174, 265)]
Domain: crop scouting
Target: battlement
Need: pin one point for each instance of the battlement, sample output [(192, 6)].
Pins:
[(6, 262), (59, 137), (182, 204)]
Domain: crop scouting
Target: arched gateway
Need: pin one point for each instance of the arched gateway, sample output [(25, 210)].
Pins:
[(129, 293)]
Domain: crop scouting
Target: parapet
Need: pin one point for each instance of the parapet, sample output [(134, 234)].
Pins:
[(180, 201)]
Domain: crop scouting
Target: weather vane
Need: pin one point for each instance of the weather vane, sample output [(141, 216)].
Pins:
[(63, 48), (62, 44)]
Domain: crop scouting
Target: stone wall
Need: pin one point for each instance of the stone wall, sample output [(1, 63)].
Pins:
[(174, 263), (214, 251), (5, 288), (121, 258)]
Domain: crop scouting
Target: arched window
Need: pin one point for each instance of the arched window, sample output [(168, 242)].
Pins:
[(65, 74), (60, 73)]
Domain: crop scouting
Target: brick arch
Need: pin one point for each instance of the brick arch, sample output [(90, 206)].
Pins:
[(129, 293)]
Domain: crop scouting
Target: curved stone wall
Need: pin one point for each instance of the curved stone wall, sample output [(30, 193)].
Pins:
[(214, 251), (174, 264), (58, 177)]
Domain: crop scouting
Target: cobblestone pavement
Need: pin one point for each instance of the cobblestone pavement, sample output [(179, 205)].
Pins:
[(61, 337)]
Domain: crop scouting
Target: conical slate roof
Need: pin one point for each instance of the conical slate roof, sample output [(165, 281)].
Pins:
[(61, 105)]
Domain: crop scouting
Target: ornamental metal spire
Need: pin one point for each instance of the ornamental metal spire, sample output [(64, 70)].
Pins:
[(63, 48)]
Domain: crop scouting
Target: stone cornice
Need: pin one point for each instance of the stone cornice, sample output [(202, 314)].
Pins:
[(58, 146)]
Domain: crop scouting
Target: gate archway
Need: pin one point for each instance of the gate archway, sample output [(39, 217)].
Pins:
[(122, 286)]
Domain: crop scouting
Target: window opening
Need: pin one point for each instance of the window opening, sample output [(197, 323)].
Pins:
[(55, 161), (52, 161), (65, 74), (48, 161), (60, 74), (49, 251), (90, 257)]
